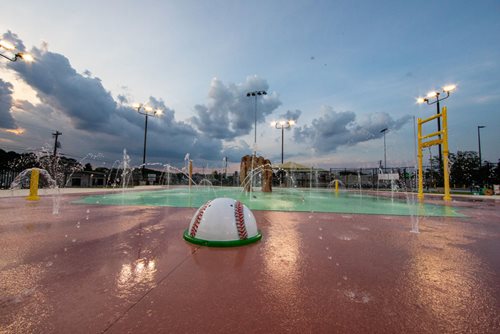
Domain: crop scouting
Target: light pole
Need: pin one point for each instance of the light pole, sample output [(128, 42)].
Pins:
[(435, 95), (225, 167), (18, 55), (384, 130), (283, 125), (479, 127), (148, 111), (256, 94)]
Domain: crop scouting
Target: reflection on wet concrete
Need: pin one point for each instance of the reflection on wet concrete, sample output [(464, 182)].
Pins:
[(283, 269), (141, 272), (282, 251), (281, 259), (452, 284)]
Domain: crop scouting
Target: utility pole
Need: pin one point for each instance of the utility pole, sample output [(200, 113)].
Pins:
[(55, 135), (54, 157)]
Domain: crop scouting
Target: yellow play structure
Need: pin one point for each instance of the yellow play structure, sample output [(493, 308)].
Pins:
[(442, 138)]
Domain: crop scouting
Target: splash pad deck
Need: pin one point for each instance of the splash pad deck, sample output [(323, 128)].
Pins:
[(118, 269), (300, 200)]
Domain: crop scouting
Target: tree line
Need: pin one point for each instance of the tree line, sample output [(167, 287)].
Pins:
[(465, 171)]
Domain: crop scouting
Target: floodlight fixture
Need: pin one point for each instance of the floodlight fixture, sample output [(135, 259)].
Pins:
[(432, 94), (26, 57), (256, 94), (420, 100), (7, 45), (449, 88), (283, 124), (19, 55)]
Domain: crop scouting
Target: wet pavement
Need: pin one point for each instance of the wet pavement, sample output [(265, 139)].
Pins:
[(103, 269)]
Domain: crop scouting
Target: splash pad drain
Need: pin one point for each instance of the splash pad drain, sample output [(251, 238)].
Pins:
[(223, 222)]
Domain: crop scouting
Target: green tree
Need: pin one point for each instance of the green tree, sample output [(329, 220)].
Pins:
[(434, 174), (497, 173), (24, 161), (464, 168), (488, 173)]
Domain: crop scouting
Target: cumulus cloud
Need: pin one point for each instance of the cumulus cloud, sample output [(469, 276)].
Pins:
[(80, 97), (333, 129), (291, 115), (14, 39), (6, 119), (80, 106), (229, 113), (236, 151), (122, 99)]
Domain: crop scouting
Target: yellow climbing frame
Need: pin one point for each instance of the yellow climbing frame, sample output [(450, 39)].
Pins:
[(442, 138)]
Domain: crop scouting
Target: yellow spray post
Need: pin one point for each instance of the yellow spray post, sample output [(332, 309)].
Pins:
[(442, 139), (336, 186), (35, 175), (190, 172)]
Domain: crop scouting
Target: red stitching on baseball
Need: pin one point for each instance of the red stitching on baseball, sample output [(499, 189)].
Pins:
[(197, 221), (239, 218)]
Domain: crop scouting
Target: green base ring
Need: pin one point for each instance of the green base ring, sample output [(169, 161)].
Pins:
[(227, 243)]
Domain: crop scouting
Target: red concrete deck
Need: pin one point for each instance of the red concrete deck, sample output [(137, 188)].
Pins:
[(94, 269)]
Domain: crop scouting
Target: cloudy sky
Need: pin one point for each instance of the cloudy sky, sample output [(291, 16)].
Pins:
[(343, 70)]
